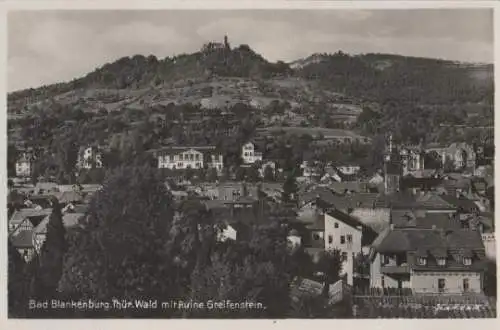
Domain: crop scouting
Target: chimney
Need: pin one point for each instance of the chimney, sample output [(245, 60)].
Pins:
[(392, 226), (433, 227)]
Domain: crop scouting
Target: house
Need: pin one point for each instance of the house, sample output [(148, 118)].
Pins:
[(70, 220), (89, 157), (177, 158), (249, 155), (349, 169), (23, 165), (23, 243), (428, 260), (344, 233), (26, 219), (45, 188), (272, 165), (461, 154), (231, 191), (412, 158)]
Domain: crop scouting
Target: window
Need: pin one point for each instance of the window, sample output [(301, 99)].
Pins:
[(383, 281), (466, 284), (336, 225), (197, 157), (330, 239), (344, 256), (467, 261), (441, 284), (316, 237), (422, 261), (441, 261), (349, 238), (342, 239), (191, 157)]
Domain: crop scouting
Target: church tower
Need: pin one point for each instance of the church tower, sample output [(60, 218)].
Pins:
[(392, 168)]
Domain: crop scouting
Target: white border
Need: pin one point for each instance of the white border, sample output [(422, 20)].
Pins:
[(7, 5)]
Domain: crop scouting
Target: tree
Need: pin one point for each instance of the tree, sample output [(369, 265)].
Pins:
[(432, 160), (252, 174), (256, 270), (268, 174), (52, 252), (290, 189), (449, 165), (212, 175), (330, 266), (16, 294), (121, 250)]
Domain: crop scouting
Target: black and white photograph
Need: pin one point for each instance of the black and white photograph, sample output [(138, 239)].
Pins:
[(272, 163)]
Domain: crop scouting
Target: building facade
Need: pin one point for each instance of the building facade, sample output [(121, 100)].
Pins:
[(428, 260), (23, 165), (249, 155), (343, 233), (89, 157), (180, 158)]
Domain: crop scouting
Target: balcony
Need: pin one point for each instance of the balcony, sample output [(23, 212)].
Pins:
[(393, 269)]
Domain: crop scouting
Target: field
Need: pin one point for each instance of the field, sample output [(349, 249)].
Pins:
[(327, 133), (424, 307)]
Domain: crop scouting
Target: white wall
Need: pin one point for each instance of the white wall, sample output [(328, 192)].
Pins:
[(428, 281), (333, 241), (489, 245)]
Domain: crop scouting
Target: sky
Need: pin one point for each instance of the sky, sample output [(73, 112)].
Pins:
[(46, 47)]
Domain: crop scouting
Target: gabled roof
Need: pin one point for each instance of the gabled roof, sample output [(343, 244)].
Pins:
[(70, 220), (345, 218), (432, 201), (24, 239), (413, 239), (22, 214)]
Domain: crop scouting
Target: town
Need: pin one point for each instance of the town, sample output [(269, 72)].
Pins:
[(314, 221)]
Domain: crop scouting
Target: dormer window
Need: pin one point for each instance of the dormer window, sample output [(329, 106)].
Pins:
[(467, 261), (441, 261), (422, 261)]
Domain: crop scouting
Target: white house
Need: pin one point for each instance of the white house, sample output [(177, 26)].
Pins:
[(89, 157), (349, 169), (189, 157), (270, 164), (249, 155), (344, 233), (23, 165)]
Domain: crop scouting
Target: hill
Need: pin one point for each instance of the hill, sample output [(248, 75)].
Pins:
[(371, 93)]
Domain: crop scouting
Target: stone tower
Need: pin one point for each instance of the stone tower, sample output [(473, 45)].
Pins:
[(392, 168)]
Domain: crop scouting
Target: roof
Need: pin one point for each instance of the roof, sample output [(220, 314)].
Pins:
[(21, 214), (340, 187), (46, 186), (461, 203), (432, 201), (345, 218), (24, 239), (324, 193), (413, 239), (68, 197), (176, 150), (70, 220)]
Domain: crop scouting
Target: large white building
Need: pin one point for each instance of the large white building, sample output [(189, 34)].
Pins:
[(249, 155), (344, 233), (176, 158)]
